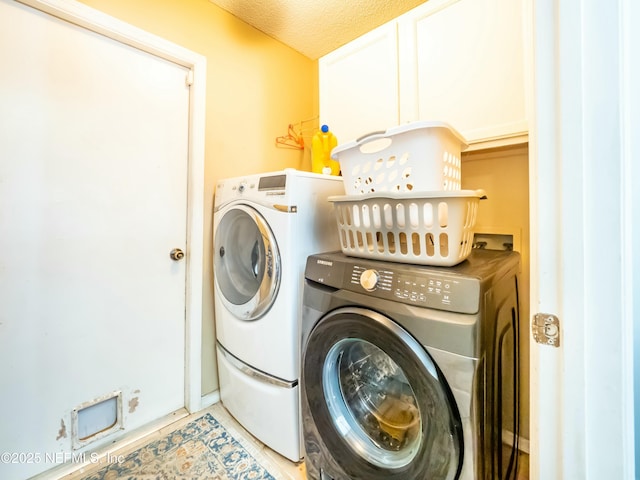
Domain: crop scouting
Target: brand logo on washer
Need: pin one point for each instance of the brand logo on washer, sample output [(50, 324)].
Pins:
[(325, 262)]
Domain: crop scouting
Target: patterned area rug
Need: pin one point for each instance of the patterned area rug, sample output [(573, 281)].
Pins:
[(202, 449)]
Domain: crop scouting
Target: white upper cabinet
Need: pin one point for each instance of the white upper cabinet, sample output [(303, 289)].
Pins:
[(359, 85), (458, 61), (461, 61)]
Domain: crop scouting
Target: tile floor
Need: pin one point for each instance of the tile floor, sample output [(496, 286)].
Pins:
[(281, 467)]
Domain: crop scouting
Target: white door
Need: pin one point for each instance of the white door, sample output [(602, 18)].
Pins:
[(584, 182), (93, 197)]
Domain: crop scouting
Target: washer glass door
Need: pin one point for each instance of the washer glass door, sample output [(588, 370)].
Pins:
[(380, 404), (377, 398), (246, 263)]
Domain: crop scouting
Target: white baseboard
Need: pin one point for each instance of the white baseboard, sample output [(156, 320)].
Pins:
[(209, 399), (523, 443)]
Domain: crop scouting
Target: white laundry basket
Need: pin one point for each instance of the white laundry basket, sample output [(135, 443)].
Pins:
[(415, 157), (429, 228)]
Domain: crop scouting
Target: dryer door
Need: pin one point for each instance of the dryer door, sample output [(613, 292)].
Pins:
[(246, 263), (379, 402)]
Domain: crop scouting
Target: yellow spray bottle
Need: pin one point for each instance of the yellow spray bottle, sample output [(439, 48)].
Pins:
[(322, 143)]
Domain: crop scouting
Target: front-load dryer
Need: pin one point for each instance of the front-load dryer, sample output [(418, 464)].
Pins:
[(264, 227), (410, 372)]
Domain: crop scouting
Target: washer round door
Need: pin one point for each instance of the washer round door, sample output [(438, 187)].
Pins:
[(246, 263), (380, 404)]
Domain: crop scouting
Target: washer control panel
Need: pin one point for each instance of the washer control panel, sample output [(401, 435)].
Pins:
[(263, 189), (422, 287), (455, 289)]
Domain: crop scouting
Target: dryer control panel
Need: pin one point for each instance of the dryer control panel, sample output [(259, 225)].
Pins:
[(427, 287)]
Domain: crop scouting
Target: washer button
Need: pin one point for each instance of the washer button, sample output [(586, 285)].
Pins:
[(369, 279)]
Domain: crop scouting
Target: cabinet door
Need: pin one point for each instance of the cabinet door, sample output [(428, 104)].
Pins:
[(461, 61), (358, 85)]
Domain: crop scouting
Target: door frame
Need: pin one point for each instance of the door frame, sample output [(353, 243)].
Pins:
[(96, 21), (583, 115)]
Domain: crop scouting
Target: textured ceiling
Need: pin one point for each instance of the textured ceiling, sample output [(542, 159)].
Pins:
[(315, 28)]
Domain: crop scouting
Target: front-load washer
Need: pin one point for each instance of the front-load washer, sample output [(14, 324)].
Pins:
[(410, 372), (264, 227)]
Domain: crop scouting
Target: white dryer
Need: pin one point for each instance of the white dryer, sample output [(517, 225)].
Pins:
[(264, 227)]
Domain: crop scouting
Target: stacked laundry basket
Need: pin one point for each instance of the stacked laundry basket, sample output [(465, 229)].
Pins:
[(403, 199)]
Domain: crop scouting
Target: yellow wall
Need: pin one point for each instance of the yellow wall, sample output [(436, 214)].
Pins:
[(504, 175), (256, 86)]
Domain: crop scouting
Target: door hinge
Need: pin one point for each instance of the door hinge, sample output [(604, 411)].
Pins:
[(545, 328), (189, 79)]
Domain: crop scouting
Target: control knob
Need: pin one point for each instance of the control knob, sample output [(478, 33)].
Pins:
[(369, 279)]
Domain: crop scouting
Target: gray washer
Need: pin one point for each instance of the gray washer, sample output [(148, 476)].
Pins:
[(410, 372)]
